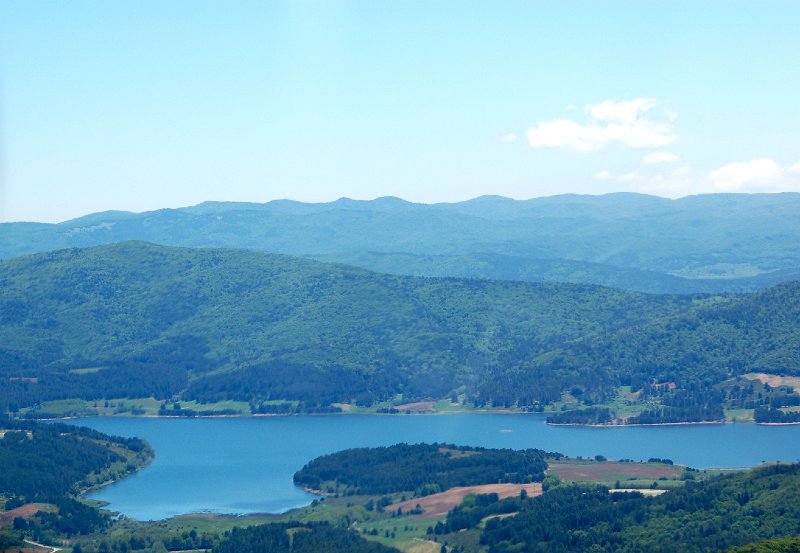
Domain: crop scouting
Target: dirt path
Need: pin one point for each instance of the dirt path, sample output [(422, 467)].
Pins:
[(49, 547)]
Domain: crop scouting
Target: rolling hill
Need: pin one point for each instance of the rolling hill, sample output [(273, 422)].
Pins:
[(139, 320)]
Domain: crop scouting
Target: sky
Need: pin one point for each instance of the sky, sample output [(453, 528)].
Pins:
[(147, 104)]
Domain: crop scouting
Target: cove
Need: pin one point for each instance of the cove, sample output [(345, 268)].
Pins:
[(245, 465)]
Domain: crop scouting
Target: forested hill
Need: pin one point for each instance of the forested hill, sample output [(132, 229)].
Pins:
[(139, 320), (709, 243), (420, 468), (43, 467), (715, 515), (46, 462), (725, 337)]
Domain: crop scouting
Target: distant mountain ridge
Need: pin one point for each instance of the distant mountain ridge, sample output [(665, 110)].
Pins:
[(709, 243)]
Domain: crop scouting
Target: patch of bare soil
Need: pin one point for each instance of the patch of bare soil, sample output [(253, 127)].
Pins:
[(24, 511), (438, 504), (774, 380)]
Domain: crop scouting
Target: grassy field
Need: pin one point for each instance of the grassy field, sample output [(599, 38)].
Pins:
[(625, 404), (608, 473), (142, 407), (739, 415)]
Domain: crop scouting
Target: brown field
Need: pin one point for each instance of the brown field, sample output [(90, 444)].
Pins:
[(438, 504), (24, 511), (599, 472), (774, 380), (417, 406)]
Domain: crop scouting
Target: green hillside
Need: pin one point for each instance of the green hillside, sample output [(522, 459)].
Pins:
[(239, 324), (43, 470), (139, 320), (698, 351)]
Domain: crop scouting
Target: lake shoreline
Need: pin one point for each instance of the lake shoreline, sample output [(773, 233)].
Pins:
[(698, 423), (427, 413)]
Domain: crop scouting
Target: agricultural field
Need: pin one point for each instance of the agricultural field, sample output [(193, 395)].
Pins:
[(775, 380), (609, 473), (439, 504)]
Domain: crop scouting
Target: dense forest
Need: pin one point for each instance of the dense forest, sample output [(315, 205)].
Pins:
[(420, 468), (776, 416), (714, 515), (138, 320), (590, 415), (291, 328), (297, 538), (43, 462)]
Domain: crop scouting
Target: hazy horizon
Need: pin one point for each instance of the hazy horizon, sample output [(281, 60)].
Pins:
[(366, 200), (140, 106)]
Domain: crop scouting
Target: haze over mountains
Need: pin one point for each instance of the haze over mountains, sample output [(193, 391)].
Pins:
[(709, 243)]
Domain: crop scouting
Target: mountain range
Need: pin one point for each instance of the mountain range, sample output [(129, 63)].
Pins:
[(708, 243)]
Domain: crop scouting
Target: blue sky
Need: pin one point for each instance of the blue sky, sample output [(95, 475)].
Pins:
[(139, 105)]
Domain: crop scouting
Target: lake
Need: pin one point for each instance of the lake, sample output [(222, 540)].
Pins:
[(245, 465)]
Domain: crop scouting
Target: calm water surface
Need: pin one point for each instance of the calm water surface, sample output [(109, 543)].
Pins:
[(245, 465)]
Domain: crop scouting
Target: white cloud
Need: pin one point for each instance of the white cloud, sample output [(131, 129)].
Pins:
[(626, 124), (759, 175), (624, 112), (659, 157), (795, 168), (602, 175), (509, 138), (748, 176)]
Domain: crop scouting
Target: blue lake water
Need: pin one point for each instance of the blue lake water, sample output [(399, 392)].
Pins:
[(245, 465)]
